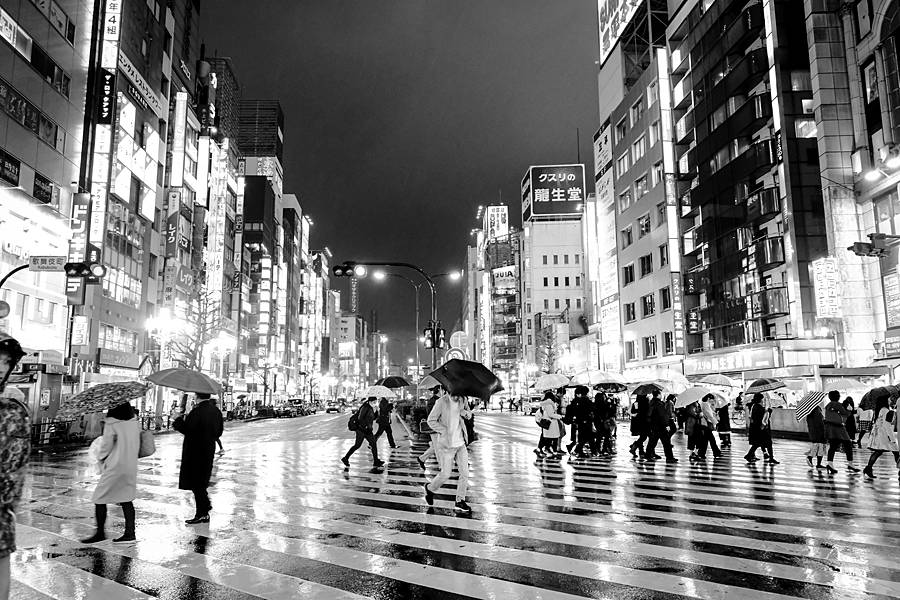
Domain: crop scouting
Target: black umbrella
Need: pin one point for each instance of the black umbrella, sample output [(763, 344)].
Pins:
[(872, 396), (392, 382), (467, 378), (611, 387), (647, 389)]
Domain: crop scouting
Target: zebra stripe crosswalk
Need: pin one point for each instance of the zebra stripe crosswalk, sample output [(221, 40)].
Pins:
[(289, 522)]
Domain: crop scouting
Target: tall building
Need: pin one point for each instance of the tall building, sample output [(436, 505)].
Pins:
[(552, 285), (353, 353), (748, 187), (44, 75)]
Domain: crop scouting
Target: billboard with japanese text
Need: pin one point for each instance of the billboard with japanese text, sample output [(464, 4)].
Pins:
[(553, 191), (614, 17)]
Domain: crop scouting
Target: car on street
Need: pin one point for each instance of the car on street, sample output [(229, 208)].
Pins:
[(286, 409), (333, 407)]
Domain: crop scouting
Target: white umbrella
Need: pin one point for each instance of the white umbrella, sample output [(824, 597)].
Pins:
[(378, 391), (186, 380), (846, 385), (720, 380), (669, 376), (596, 377), (428, 382), (14, 393), (551, 381), (691, 395)]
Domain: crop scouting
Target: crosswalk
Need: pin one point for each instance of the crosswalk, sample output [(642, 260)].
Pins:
[(290, 522)]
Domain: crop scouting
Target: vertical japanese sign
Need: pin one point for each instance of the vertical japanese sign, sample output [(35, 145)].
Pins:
[(112, 17), (554, 190), (827, 287), (614, 17), (81, 211), (496, 222), (608, 267), (176, 177), (106, 101)]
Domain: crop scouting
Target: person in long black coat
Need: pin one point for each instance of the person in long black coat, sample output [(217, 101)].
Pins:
[(201, 428), (384, 421), (759, 431), (365, 417), (815, 426), (640, 424), (660, 420), (582, 420), (836, 431), (604, 424)]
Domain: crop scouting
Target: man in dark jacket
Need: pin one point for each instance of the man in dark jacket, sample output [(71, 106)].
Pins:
[(582, 421), (640, 417), (384, 421), (660, 420), (365, 417), (201, 428)]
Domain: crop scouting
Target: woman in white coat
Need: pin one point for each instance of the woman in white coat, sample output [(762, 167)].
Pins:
[(549, 443), (882, 437), (118, 458)]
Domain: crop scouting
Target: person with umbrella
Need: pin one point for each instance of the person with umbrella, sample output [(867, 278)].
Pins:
[(365, 417), (604, 424), (446, 418), (691, 420), (200, 428), (850, 421), (15, 450), (836, 431), (724, 425), (548, 418), (883, 438), (384, 421), (705, 426), (582, 421), (661, 421), (760, 431), (815, 427), (640, 424), (118, 457)]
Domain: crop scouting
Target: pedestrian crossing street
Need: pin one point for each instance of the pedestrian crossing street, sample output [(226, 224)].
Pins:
[(289, 522)]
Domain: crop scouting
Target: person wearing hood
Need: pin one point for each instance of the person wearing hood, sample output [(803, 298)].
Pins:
[(200, 428), (882, 438), (118, 457), (836, 431)]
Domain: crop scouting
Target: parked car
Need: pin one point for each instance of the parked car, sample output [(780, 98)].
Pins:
[(286, 409), (333, 407)]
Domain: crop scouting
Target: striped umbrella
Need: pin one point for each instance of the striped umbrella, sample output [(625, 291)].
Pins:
[(764, 385), (807, 404)]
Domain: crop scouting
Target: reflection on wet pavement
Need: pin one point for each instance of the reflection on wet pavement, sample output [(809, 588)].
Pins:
[(290, 522)]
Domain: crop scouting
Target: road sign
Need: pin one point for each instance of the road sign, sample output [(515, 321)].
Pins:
[(457, 353), (47, 263)]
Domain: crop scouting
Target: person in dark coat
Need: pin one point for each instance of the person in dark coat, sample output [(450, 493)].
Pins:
[(365, 418), (660, 428), (604, 424), (384, 421), (760, 431), (815, 426), (201, 428), (836, 431), (850, 421), (692, 429), (724, 426), (640, 424), (582, 421)]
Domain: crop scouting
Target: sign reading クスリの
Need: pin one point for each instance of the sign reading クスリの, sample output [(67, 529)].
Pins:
[(555, 190)]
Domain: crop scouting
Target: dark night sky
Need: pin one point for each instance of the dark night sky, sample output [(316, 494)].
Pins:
[(402, 116)]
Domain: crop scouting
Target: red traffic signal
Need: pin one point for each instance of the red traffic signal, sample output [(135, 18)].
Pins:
[(84, 269)]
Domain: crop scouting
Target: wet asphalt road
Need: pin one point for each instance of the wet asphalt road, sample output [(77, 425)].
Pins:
[(289, 522)]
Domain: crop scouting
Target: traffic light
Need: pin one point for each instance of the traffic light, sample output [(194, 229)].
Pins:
[(428, 335), (84, 269), (877, 247), (440, 337), (349, 269)]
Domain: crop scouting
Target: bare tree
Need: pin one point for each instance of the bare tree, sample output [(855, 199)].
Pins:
[(203, 320), (547, 352)]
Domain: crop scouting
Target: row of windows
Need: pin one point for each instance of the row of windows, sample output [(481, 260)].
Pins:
[(641, 187), (649, 346), (637, 111), (30, 117), (577, 259), (34, 54), (648, 305), (566, 281), (27, 309), (638, 150), (117, 338), (558, 304), (644, 226), (646, 265)]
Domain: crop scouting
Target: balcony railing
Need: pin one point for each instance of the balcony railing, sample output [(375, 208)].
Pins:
[(764, 204), (769, 252), (770, 302)]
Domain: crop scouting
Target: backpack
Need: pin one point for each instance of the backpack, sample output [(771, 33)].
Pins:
[(15, 441), (353, 423)]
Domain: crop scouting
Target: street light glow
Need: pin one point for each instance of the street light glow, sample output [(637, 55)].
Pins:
[(455, 275), (872, 175), (359, 271), (379, 275)]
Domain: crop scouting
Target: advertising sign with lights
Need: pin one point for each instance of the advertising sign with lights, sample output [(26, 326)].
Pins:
[(106, 103), (614, 17), (81, 211), (553, 191), (826, 278), (496, 222)]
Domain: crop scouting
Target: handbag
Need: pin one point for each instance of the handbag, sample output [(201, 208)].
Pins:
[(562, 429), (544, 423), (148, 444)]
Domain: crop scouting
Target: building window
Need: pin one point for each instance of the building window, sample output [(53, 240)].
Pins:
[(556, 303), (654, 133), (529, 340), (116, 338), (624, 201), (545, 259), (546, 304), (665, 298), (870, 79), (656, 175), (627, 275), (801, 81), (644, 226), (649, 344), (567, 282), (565, 259), (648, 306), (627, 237), (668, 342), (577, 281), (805, 127), (640, 187), (28, 116), (663, 255), (621, 130), (646, 265), (622, 165), (556, 259), (528, 324), (556, 281), (629, 312), (568, 303), (660, 213), (630, 351), (577, 258), (637, 111), (578, 303), (638, 149), (652, 93), (546, 282)]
